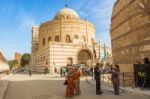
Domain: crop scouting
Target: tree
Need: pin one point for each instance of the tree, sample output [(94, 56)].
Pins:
[(13, 63), (25, 60)]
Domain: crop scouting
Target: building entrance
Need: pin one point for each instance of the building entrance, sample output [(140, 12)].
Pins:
[(85, 57)]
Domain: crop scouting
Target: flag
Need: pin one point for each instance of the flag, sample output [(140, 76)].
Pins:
[(105, 54), (94, 51), (99, 59)]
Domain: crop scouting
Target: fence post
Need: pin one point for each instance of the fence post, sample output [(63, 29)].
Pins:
[(103, 78), (123, 80), (108, 78)]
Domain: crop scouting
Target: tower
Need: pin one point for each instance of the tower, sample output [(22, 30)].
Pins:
[(35, 39)]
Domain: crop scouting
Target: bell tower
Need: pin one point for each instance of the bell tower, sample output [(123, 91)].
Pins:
[(35, 38)]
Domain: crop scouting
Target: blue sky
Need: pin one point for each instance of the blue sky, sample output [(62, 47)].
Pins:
[(18, 16)]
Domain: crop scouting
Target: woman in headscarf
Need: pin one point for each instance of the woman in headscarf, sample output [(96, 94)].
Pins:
[(115, 79), (70, 83)]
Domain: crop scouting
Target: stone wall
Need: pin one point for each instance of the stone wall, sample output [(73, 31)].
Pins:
[(62, 28), (130, 34), (57, 54)]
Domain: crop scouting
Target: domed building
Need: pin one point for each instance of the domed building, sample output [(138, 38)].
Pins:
[(64, 40), (130, 32)]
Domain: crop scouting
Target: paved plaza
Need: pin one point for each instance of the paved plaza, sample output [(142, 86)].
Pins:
[(38, 86)]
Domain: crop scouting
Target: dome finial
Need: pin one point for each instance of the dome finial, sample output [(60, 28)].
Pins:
[(66, 4)]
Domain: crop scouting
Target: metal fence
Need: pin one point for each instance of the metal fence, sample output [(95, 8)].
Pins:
[(126, 79)]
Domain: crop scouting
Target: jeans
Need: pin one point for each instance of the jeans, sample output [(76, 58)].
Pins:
[(116, 89)]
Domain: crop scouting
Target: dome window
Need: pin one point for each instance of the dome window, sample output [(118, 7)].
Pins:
[(49, 39), (68, 39), (68, 17), (56, 38), (76, 37)]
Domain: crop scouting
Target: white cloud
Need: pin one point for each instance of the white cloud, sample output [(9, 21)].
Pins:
[(104, 37), (26, 22), (100, 13)]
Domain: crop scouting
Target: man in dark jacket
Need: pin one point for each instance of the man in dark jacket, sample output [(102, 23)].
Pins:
[(97, 74), (147, 62)]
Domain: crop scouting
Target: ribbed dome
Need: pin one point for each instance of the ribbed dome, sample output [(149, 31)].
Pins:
[(67, 13)]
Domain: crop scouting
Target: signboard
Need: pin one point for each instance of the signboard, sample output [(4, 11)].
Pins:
[(142, 75)]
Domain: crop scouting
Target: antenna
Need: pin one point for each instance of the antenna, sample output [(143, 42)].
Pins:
[(66, 3)]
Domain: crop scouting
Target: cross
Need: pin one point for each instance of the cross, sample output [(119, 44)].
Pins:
[(66, 5)]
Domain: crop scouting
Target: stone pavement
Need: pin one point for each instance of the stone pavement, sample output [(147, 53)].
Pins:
[(4, 81), (130, 90), (39, 86), (51, 87)]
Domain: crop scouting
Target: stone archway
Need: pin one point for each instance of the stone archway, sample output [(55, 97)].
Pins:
[(85, 57)]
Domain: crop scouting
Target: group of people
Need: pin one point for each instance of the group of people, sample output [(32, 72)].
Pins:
[(115, 71), (73, 82), (73, 79)]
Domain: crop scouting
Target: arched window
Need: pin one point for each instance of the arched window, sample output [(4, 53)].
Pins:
[(56, 38), (49, 39), (43, 41), (92, 40), (68, 38), (69, 61), (76, 37), (62, 17), (83, 37), (68, 17)]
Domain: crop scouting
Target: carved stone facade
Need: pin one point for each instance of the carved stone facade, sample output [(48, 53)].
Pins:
[(130, 32), (64, 40)]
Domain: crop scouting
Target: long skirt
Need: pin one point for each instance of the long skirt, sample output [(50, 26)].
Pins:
[(77, 87), (70, 88)]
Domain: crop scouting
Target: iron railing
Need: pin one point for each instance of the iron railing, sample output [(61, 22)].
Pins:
[(126, 79)]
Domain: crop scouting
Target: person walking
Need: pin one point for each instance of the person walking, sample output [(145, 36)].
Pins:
[(146, 61), (115, 79), (97, 74), (30, 73), (147, 71)]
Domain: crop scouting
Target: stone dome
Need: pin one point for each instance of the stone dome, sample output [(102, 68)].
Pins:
[(67, 13)]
